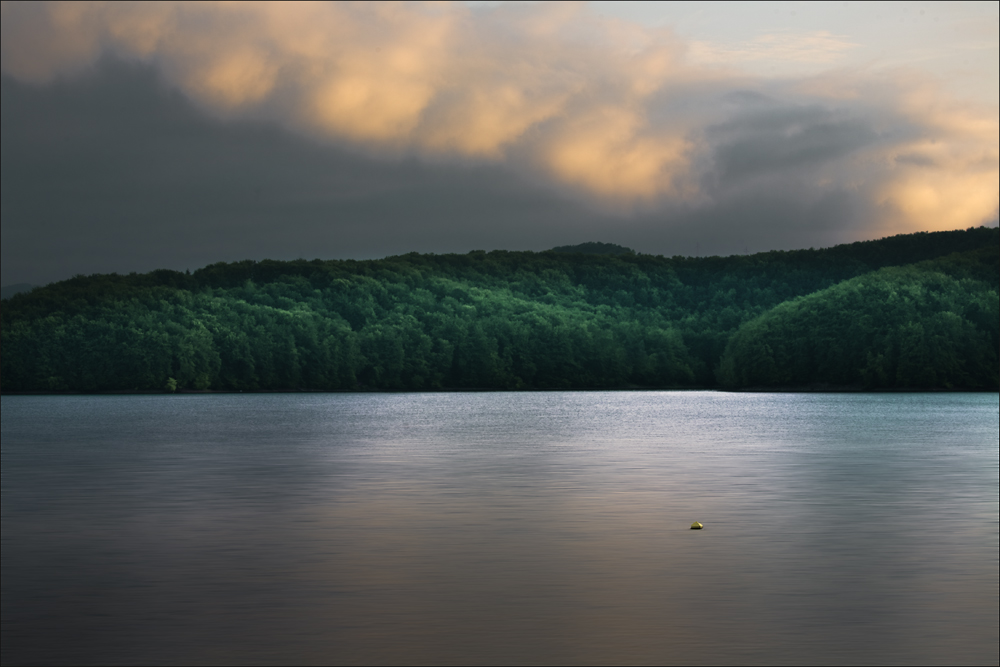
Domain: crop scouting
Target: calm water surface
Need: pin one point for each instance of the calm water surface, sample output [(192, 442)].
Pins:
[(500, 527)]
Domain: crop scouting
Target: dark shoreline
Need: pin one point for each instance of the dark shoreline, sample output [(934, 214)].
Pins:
[(810, 389)]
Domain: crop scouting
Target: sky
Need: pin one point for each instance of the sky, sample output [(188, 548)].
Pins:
[(174, 135)]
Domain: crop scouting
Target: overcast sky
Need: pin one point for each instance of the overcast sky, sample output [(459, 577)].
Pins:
[(167, 135)]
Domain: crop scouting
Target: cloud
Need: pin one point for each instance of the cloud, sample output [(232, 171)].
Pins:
[(784, 141), (634, 122), (780, 49)]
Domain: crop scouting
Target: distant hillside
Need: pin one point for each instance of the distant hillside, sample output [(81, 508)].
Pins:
[(912, 311), (595, 248), (8, 291), (930, 324)]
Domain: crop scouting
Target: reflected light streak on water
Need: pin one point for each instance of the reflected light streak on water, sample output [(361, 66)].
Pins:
[(500, 527)]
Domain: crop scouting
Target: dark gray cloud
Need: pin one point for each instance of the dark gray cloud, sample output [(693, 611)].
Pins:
[(117, 171), (781, 141)]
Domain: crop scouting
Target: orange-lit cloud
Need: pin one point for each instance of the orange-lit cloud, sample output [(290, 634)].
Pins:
[(607, 109), (950, 176)]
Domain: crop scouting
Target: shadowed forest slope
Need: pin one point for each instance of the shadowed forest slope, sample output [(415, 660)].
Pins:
[(931, 324), (523, 320)]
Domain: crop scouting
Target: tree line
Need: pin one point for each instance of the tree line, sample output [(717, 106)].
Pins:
[(916, 310)]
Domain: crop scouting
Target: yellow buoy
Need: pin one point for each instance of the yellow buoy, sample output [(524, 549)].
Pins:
[(696, 525)]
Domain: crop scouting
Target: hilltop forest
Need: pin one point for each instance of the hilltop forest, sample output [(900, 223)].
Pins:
[(917, 311)]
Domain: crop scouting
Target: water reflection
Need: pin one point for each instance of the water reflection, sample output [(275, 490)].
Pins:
[(495, 528)]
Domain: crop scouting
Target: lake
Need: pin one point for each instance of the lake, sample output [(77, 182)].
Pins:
[(548, 527)]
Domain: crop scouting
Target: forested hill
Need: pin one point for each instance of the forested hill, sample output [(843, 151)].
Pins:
[(523, 320)]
